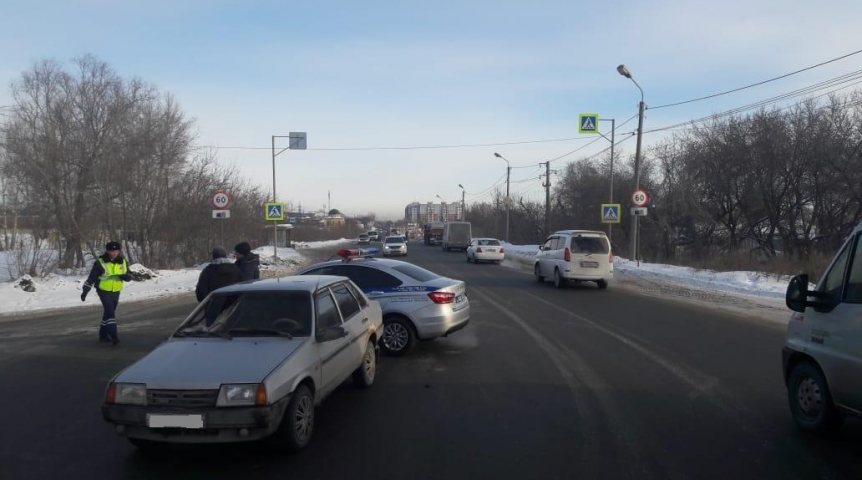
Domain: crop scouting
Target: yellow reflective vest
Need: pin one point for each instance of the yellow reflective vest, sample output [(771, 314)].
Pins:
[(110, 281)]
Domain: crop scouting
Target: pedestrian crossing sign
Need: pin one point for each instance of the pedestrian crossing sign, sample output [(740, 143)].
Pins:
[(273, 212), (588, 123), (610, 213)]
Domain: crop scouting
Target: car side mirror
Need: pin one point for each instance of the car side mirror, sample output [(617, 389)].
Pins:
[(541, 247), (331, 333), (797, 295)]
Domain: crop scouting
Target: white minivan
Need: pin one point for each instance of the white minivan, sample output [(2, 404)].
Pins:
[(822, 355), (575, 255)]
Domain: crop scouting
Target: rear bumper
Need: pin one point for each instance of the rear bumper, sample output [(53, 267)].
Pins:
[(436, 322), (579, 276), (490, 256), (235, 424)]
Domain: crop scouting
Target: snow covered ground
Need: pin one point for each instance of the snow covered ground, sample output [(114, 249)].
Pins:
[(321, 244), (64, 291), (746, 283)]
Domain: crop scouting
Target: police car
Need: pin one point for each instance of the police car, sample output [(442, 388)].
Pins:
[(417, 304)]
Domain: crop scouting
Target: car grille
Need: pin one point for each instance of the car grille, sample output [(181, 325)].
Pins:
[(182, 398)]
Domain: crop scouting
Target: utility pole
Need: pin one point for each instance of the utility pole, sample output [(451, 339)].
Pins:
[(635, 232), (508, 200), (463, 210), (547, 186)]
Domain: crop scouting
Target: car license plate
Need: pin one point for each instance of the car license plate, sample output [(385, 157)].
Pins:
[(175, 421), (492, 250), (589, 264), (459, 298)]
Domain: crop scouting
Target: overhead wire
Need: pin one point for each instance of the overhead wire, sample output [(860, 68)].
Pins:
[(833, 82), (594, 141), (674, 104)]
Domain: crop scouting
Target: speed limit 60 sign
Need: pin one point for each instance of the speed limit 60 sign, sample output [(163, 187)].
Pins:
[(640, 197), (220, 200)]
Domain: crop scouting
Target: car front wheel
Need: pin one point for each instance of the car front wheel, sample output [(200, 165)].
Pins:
[(398, 336), (297, 425), (538, 272), (810, 399)]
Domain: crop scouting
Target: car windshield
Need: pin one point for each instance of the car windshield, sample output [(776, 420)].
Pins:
[(251, 313), (394, 240), (416, 273)]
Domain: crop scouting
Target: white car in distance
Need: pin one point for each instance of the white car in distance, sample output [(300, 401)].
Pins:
[(394, 245), (485, 250)]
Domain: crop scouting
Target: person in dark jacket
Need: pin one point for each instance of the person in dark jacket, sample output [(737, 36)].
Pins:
[(248, 263), (221, 272), (109, 272)]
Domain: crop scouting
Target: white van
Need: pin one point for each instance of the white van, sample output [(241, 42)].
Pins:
[(822, 355), (457, 235), (575, 255)]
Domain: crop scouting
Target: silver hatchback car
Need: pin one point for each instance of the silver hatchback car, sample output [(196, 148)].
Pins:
[(417, 304), (251, 361)]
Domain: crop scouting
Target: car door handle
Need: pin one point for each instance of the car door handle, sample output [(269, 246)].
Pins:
[(375, 294), (365, 320)]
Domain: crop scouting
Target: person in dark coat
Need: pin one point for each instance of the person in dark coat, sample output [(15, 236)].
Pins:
[(221, 272), (109, 272), (248, 263)]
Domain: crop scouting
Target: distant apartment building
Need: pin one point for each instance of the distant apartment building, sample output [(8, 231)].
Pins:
[(433, 212)]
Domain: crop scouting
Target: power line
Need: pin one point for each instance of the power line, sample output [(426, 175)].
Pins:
[(499, 180), (419, 147), (758, 83), (840, 80), (594, 141)]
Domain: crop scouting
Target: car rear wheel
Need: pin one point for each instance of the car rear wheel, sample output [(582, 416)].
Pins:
[(398, 336), (538, 273), (365, 374), (603, 284), (558, 280), (810, 399)]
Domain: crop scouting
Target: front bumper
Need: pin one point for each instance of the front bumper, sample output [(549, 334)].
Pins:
[(227, 424), (395, 252)]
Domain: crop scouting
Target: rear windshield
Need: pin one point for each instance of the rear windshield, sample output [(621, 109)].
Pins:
[(489, 243), (589, 245), (394, 240), (416, 273)]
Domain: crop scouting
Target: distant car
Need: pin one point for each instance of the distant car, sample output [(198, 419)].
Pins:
[(485, 250), (364, 239), (394, 245), (575, 255), (251, 361), (374, 236), (417, 304)]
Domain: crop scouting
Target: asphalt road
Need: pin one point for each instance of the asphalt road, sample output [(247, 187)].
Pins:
[(543, 383)]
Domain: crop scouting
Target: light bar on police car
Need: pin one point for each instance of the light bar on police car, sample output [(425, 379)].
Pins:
[(355, 252)]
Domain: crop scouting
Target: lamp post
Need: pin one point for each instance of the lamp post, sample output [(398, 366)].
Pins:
[(635, 244), (463, 210), (507, 201), (443, 209)]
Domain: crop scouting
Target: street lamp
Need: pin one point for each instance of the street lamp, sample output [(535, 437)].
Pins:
[(463, 211), (641, 107), (443, 209), (507, 201)]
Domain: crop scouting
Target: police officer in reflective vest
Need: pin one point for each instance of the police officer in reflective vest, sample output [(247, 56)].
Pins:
[(110, 271)]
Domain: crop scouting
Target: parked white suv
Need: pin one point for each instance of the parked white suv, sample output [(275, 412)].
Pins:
[(822, 355), (575, 255)]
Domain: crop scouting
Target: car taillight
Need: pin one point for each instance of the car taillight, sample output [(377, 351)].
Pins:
[(611, 257), (111, 394), (442, 297), (479, 250), (502, 251), (567, 255)]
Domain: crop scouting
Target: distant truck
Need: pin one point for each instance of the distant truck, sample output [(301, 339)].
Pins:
[(457, 235), (432, 233)]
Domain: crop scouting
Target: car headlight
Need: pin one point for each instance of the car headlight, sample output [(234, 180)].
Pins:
[(243, 394), (127, 394)]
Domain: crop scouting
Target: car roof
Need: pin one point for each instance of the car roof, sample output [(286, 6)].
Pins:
[(306, 283), (486, 238), (368, 261), (576, 232)]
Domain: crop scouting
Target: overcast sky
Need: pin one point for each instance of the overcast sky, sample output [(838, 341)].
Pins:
[(406, 74)]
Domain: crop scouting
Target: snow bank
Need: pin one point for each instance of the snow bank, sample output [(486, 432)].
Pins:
[(320, 244), (64, 291), (747, 283)]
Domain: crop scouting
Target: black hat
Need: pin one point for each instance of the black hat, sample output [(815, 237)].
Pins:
[(219, 252), (242, 248), (112, 246)]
